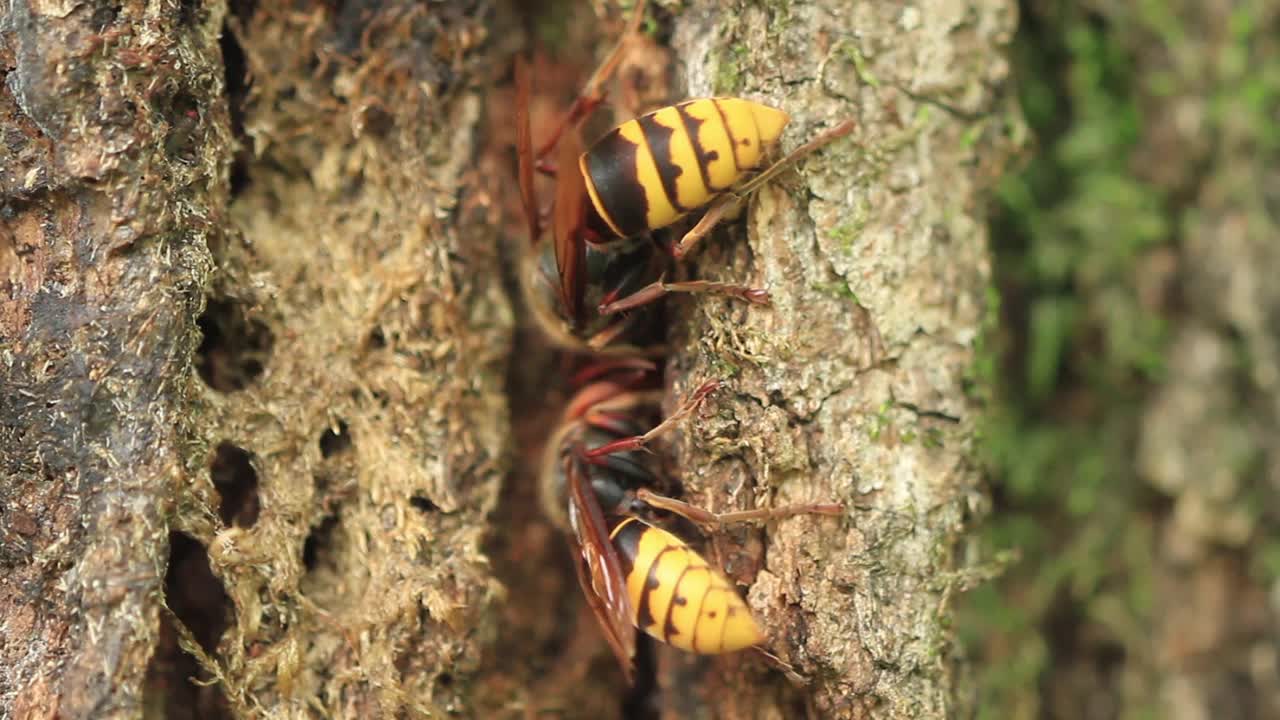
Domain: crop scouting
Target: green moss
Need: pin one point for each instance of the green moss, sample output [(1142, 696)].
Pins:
[(838, 289), (859, 62), (923, 115), (729, 70), (1066, 356), (847, 232), (984, 372), (880, 422), (723, 369), (932, 438), (972, 135), (1266, 562)]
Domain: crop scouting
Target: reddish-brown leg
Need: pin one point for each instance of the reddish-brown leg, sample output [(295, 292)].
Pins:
[(711, 521), (781, 665), (639, 442), (712, 217), (597, 398), (660, 288)]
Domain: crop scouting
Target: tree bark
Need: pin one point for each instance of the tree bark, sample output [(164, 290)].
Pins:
[(276, 476), (341, 443), (113, 169), (853, 387)]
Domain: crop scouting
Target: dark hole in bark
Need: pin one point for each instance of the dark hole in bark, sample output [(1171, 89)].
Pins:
[(176, 685), (318, 541), (194, 593), (335, 440), (234, 348), (237, 84), (237, 484), (376, 122), (183, 112), (423, 503)]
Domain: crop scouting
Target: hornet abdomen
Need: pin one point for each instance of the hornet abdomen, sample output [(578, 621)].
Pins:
[(677, 597), (648, 172)]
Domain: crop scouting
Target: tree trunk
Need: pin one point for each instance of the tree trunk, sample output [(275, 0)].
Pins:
[(113, 181), (1208, 433), (276, 477), (853, 387), (341, 444)]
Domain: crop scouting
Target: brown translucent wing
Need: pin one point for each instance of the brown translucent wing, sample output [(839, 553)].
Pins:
[(599, 569), (567, 225), (524, 148)]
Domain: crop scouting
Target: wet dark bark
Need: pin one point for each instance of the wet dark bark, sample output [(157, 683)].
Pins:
[(115, 150)]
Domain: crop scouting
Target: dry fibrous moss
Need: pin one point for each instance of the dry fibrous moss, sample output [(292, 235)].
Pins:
[(362, 376), (316, 472)]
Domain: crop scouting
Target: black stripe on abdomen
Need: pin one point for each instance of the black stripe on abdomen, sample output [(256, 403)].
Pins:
[(692, 126), (659, 138), (611, 165)]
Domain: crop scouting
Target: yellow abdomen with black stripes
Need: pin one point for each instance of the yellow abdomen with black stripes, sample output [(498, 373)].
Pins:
[(648, 172), (677, 597)]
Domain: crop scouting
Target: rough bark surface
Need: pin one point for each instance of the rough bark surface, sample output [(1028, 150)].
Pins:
[(341, 443), (853, 386), (112, 181), (254, 342)]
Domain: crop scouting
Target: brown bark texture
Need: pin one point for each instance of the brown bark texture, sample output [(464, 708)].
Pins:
[(853, 386), (108, 196), (255, 337), (315, 478)]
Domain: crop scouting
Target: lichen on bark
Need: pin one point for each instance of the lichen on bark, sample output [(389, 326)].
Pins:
[(852, 388)]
